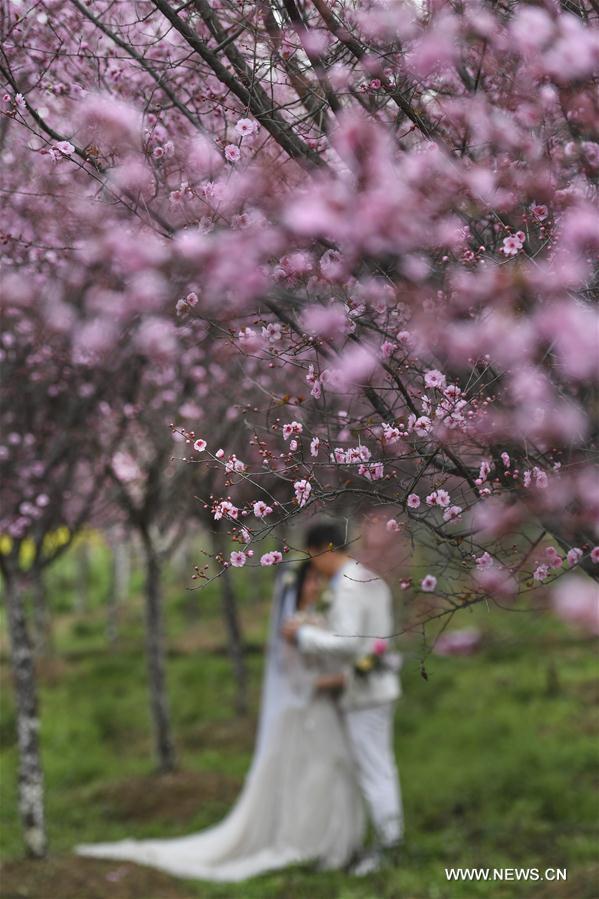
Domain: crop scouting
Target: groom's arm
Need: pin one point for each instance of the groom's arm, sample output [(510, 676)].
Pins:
[(342, 639)]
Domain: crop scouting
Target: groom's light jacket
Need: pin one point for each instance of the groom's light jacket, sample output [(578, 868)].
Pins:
[(361, 612)]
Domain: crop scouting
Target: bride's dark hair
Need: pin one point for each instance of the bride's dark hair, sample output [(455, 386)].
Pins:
[(300, 579)]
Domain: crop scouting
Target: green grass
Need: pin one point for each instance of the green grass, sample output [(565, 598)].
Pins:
[(497, 754)]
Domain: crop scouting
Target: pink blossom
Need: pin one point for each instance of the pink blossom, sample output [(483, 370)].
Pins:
[(200, 445), (379, 647), (539, 211), (413, 501), (458, 643), (595, 555), (225, 509), (485, 468), (65, 148), (438, 498), (109, 121), (302, 489), (453, 513), (452, 392), (505, 458), (392, 526), (325, 321), (422, 425), (554, 560), (391, 435), (576, 601), (574, 556), (271, 558), (428, 583), (246, 127), (272, 332), (496, 580), (313, 379), (232, 153), (541, 572), (294, 427), (435, 379), (484, 560), (511, 245), (235, 464), (374, 471), (249, 340), (261, 510), (238, 559), (356, 365), (314, 446)]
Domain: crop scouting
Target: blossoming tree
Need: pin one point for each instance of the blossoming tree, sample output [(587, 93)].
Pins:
[(388, 212)]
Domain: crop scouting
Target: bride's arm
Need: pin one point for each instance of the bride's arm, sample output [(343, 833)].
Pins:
[(331, 682)]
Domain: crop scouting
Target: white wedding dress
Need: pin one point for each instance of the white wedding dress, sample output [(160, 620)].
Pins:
[(300, 801)]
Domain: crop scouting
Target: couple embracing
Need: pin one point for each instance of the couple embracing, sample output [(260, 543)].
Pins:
[(324, 759)]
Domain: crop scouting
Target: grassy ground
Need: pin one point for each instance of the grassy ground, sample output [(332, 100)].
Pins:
[(497, 754)]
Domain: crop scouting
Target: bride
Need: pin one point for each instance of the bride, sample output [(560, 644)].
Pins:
[(300, 801)]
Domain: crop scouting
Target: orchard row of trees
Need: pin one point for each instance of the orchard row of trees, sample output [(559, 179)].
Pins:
[(341, 254)]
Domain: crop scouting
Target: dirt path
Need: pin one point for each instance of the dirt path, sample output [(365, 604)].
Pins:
[(69, 877)]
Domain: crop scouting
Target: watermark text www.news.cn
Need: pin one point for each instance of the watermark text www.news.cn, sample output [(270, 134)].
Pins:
[(508, 874)]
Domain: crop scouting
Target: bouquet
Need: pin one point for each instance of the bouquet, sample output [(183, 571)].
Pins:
[(380, 659)]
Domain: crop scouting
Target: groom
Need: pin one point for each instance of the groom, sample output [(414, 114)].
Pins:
[(360, 612)]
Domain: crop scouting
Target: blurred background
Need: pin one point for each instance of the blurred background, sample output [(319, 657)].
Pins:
[(496, 736)]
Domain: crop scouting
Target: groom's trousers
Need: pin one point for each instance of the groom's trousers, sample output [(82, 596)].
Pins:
[(370, 732)]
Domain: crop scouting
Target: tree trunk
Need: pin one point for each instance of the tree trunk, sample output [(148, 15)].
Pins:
[(234, 634), (31, 781), (82, 577), (155, 656), (119, 587), (42, 620), (184, 562)]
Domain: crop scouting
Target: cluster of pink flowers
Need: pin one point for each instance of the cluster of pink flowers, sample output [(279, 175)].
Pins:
[(225, 509), (353, 456), (292, 429), (271, 558), (435, 379), (438, 498), (280, 255), (372, 471), (261, 510), (302, 490), (513, 243), (233, 464)]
